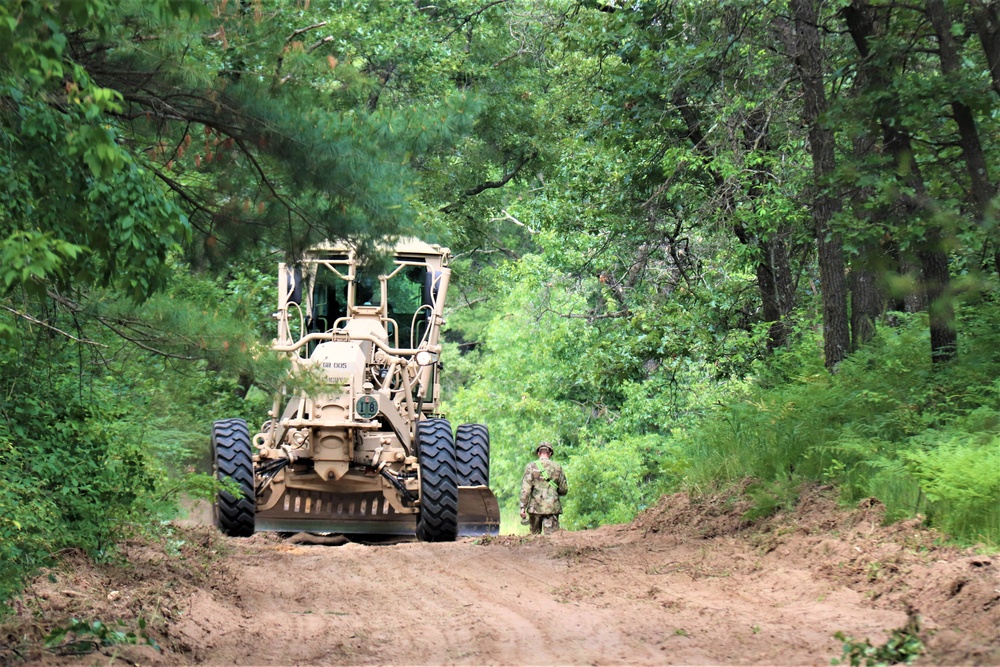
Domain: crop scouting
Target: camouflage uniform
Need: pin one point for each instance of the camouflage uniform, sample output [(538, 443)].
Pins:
[(542, 485)]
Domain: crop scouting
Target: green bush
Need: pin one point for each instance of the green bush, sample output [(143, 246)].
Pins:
[(611, 482), (69, 479), (100, 441)]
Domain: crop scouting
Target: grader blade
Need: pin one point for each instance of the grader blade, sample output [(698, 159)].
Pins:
[(369, 513), (478, 511), (325, 512)]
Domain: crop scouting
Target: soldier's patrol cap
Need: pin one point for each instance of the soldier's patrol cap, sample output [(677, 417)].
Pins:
[(544, 445)]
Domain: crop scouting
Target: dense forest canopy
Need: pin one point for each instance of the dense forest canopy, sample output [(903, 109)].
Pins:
[(695, 242)]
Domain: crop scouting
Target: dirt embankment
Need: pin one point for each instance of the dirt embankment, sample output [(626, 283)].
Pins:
[(686, 583)]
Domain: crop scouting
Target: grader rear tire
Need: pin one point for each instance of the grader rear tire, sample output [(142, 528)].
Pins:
[(438, 518), (234, 515), (472, 448)]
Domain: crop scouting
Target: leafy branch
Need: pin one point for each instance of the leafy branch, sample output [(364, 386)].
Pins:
[(488, 185)]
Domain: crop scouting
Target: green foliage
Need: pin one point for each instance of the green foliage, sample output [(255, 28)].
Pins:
[(541, 372), (110, 223), (918, 439), (102, 438), (524, 403), (612, 481), (114, 231), (960, 480), (767, 499), (80, 637), (28, 255), (73, 474), (903, 647)]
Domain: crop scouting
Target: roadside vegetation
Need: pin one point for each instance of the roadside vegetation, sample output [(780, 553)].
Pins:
[(888, 424), (695, 244)]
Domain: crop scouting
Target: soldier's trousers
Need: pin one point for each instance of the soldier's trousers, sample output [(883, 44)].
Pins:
[(543, 522)]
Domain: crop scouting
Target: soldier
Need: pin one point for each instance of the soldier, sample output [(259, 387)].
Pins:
[(542, 485)]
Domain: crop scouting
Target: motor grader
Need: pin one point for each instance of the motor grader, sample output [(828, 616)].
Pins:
[(357, 445)]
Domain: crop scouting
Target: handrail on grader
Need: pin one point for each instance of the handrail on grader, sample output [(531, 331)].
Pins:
[(347, 335)]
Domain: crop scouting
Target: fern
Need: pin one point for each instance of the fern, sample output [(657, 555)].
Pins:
[(920, 440), (961, 480)]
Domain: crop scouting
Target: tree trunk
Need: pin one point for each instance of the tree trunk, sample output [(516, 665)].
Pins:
[(988, 28), (774, 273), (934, 264), (777, 288), (983, 189), (914, 300), (809, 66), (935, 278), (868, 295), (867, 305)]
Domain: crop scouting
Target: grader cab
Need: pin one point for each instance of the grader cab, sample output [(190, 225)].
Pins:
[(362, 449)]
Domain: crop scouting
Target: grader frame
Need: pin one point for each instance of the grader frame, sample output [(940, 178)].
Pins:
[(359, 446)]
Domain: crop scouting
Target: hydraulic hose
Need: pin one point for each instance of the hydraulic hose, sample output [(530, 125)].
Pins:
[(392, 479), (267, 473)]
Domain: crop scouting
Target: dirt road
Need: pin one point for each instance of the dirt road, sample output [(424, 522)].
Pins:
[(682, 585), (550, 601)]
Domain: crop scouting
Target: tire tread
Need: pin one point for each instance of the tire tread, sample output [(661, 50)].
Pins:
[(438, 518), (472, 451), (231, 447)]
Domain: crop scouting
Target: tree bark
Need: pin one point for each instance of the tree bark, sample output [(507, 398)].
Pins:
[(982, 186), (867, 305), (809, 61), (777, 288), (988, 27), (774, 273), (935, 277), (868, 295)]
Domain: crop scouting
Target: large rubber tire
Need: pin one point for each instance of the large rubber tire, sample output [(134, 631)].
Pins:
[(472, 450), (438, 518), (234, 516)]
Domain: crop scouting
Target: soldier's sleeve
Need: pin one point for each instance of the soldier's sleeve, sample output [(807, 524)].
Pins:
[(563, 488), (526, 486)]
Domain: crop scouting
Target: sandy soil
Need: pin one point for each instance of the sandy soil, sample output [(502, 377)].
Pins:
[(686, 583)]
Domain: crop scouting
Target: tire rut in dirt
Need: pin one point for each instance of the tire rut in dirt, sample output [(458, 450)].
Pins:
[(438, 518), (472, 453), (234, 516)]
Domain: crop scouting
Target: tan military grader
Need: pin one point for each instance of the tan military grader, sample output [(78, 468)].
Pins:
[(364, 449)]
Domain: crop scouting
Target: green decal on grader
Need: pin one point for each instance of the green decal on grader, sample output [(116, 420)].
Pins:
[(366, 407)]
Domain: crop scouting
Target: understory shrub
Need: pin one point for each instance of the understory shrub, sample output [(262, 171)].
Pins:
[(921, 439), (961, 481), (69, 479), (611, 482)]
